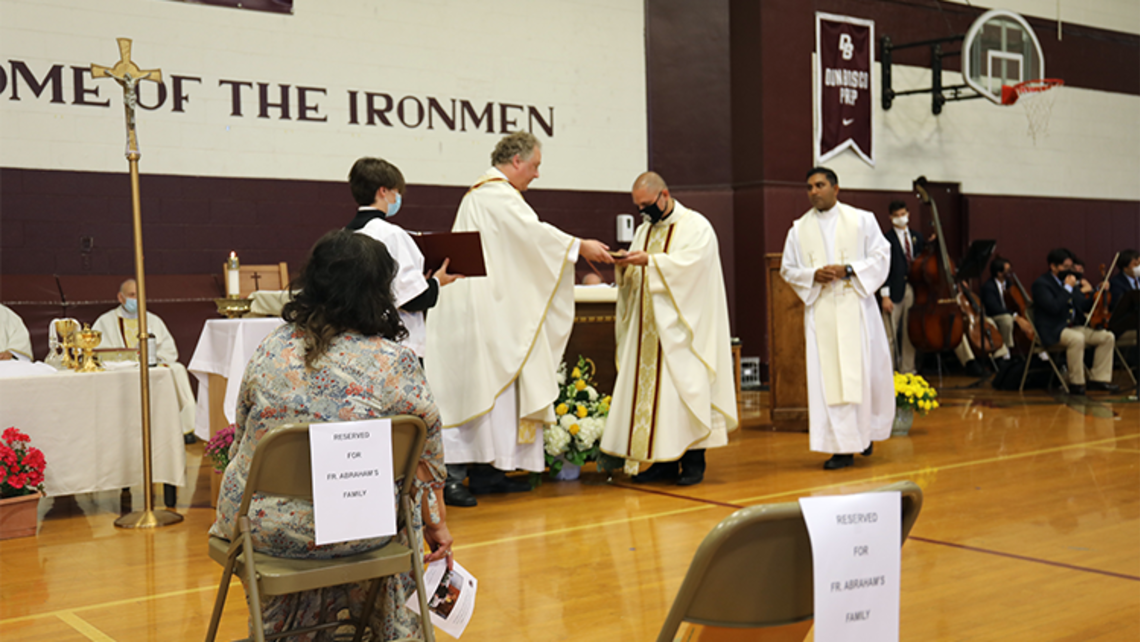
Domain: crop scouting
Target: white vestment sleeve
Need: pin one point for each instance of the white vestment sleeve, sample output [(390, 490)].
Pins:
[(872, 268), (796, 272), (14, 335)]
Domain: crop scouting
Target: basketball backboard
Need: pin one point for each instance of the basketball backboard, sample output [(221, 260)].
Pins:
[(1000, 49)]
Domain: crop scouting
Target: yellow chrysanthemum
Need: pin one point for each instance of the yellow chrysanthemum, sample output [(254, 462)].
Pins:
[(582, 412), (561, 409), (573, 429), (579, 385)]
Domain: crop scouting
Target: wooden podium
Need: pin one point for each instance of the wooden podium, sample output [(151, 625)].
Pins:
[(787, 360)]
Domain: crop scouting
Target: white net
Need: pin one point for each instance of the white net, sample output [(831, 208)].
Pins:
[(1037, 97)]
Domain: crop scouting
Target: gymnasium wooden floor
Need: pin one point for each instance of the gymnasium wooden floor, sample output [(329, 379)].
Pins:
[(1030, 531)]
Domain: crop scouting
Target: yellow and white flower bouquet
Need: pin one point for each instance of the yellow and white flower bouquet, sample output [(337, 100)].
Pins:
[(581, 412), (912, 394)]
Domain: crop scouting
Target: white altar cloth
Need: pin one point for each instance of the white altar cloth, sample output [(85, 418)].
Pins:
[(224, 349), (89, 427)]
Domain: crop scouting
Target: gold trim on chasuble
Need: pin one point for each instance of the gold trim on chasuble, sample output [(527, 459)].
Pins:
[(647, 379), (129, 329)]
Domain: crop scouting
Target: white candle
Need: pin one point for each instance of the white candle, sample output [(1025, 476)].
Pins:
[(233, 278)]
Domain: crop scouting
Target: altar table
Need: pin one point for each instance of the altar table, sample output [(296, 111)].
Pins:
[(89, 427)]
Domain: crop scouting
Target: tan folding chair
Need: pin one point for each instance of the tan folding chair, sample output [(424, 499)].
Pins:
[(754, 570), (1126, 340), (1037, 348), (281, 466)]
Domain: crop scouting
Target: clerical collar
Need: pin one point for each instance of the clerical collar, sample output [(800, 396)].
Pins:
[(364, 214)]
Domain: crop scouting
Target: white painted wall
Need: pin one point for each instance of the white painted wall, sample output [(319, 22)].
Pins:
[(1092, 149), (1114, 15), (584, 58)]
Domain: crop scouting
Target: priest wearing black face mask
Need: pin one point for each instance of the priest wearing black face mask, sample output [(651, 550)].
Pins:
[(674, 395)]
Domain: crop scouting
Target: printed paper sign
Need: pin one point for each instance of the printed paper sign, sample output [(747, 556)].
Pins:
[(845, 55), (856, 542), (353, 489)]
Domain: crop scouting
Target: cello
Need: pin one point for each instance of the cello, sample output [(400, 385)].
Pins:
[(1017, 301), (1099, 314), (935, 321)]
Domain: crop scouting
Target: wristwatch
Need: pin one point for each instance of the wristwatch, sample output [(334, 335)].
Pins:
[(850, 271)]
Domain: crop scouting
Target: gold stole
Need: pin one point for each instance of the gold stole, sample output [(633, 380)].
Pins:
[(129, 329), (647, 378), (838, 317)]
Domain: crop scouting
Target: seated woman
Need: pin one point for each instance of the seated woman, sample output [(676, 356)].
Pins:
[(336, 359)]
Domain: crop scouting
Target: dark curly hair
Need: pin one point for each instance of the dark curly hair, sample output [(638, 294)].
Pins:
[(345, 285)]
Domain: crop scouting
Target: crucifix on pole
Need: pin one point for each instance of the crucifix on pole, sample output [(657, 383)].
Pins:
[(128, 75)]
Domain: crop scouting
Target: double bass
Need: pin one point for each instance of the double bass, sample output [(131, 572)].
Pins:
[(935, 321)]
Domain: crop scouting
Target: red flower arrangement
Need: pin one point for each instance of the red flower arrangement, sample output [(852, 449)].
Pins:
[(21, 465), (218, 448)]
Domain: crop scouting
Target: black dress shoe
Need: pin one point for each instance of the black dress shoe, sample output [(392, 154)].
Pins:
[(503, 485), (456, 494), (975, 369), (170, 495), (1103, 386), (189, 438), (839, 461), (869, 451), (692, 468), (660, 471), (1076, 390)]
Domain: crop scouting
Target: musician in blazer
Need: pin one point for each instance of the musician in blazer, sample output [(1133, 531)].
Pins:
[(1059, 313), (1127, 277), (993, 298), (897, 294)]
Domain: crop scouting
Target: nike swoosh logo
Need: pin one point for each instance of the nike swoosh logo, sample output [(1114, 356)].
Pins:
[(848, 121)]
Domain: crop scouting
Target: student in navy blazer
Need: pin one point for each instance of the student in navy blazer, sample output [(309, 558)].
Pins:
[(1059, 310), (897, 294)]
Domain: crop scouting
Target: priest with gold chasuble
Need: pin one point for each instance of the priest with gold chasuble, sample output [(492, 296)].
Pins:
[(835, 258), (494, 343), (675, 395)]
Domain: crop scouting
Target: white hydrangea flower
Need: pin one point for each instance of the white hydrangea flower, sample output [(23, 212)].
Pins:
[(555, 440)]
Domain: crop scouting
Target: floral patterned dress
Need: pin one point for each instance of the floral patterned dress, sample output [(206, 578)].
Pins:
[(358, 378)]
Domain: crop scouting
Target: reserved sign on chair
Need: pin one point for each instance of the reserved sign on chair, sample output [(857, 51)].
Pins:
[(353, 480), (856, 544)]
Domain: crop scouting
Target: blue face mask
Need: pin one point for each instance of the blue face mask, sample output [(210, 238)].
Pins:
[(131, 306), (394, 207)]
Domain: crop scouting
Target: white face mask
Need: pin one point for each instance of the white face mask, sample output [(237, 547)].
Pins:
[(1135, 272), (900, 221)]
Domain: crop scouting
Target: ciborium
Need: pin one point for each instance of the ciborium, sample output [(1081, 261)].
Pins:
[(88, 340), (233, 308)]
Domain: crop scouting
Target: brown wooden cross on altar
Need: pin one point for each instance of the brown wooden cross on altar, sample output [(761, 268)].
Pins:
[(127, 74), (256, 280)]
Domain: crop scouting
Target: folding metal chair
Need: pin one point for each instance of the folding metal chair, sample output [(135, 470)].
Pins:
[(754, 570), (281, 466)]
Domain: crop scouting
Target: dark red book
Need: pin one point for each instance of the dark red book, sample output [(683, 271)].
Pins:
[(465, 250)]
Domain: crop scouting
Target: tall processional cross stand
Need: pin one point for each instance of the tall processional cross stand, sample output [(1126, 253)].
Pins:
[(127, 74)]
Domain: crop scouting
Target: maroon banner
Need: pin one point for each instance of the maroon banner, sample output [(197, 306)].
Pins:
[(276, 6), (845, 54)]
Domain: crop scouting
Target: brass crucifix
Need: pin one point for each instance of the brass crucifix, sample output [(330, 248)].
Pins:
[(127, 74)]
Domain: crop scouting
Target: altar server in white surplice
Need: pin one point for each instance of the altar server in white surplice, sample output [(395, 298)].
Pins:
[(675, 395), (835, 258), (494, 343), (120, 328), (15, 342)]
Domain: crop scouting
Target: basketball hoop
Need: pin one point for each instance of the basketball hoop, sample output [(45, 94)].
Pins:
[(1037, 97)]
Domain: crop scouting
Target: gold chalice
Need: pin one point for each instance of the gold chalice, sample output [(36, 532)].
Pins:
[(233, 308), (89, 339), (66, 329)]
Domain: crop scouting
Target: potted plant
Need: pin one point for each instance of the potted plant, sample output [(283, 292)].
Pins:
[(912, 394), (573, 439), (21, 484), (218, 452)]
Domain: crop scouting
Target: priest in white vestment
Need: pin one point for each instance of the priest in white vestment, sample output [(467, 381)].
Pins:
[(494, 343), (15, 342), (120, 328), (835, 258), (378, 189), (675, 395)]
